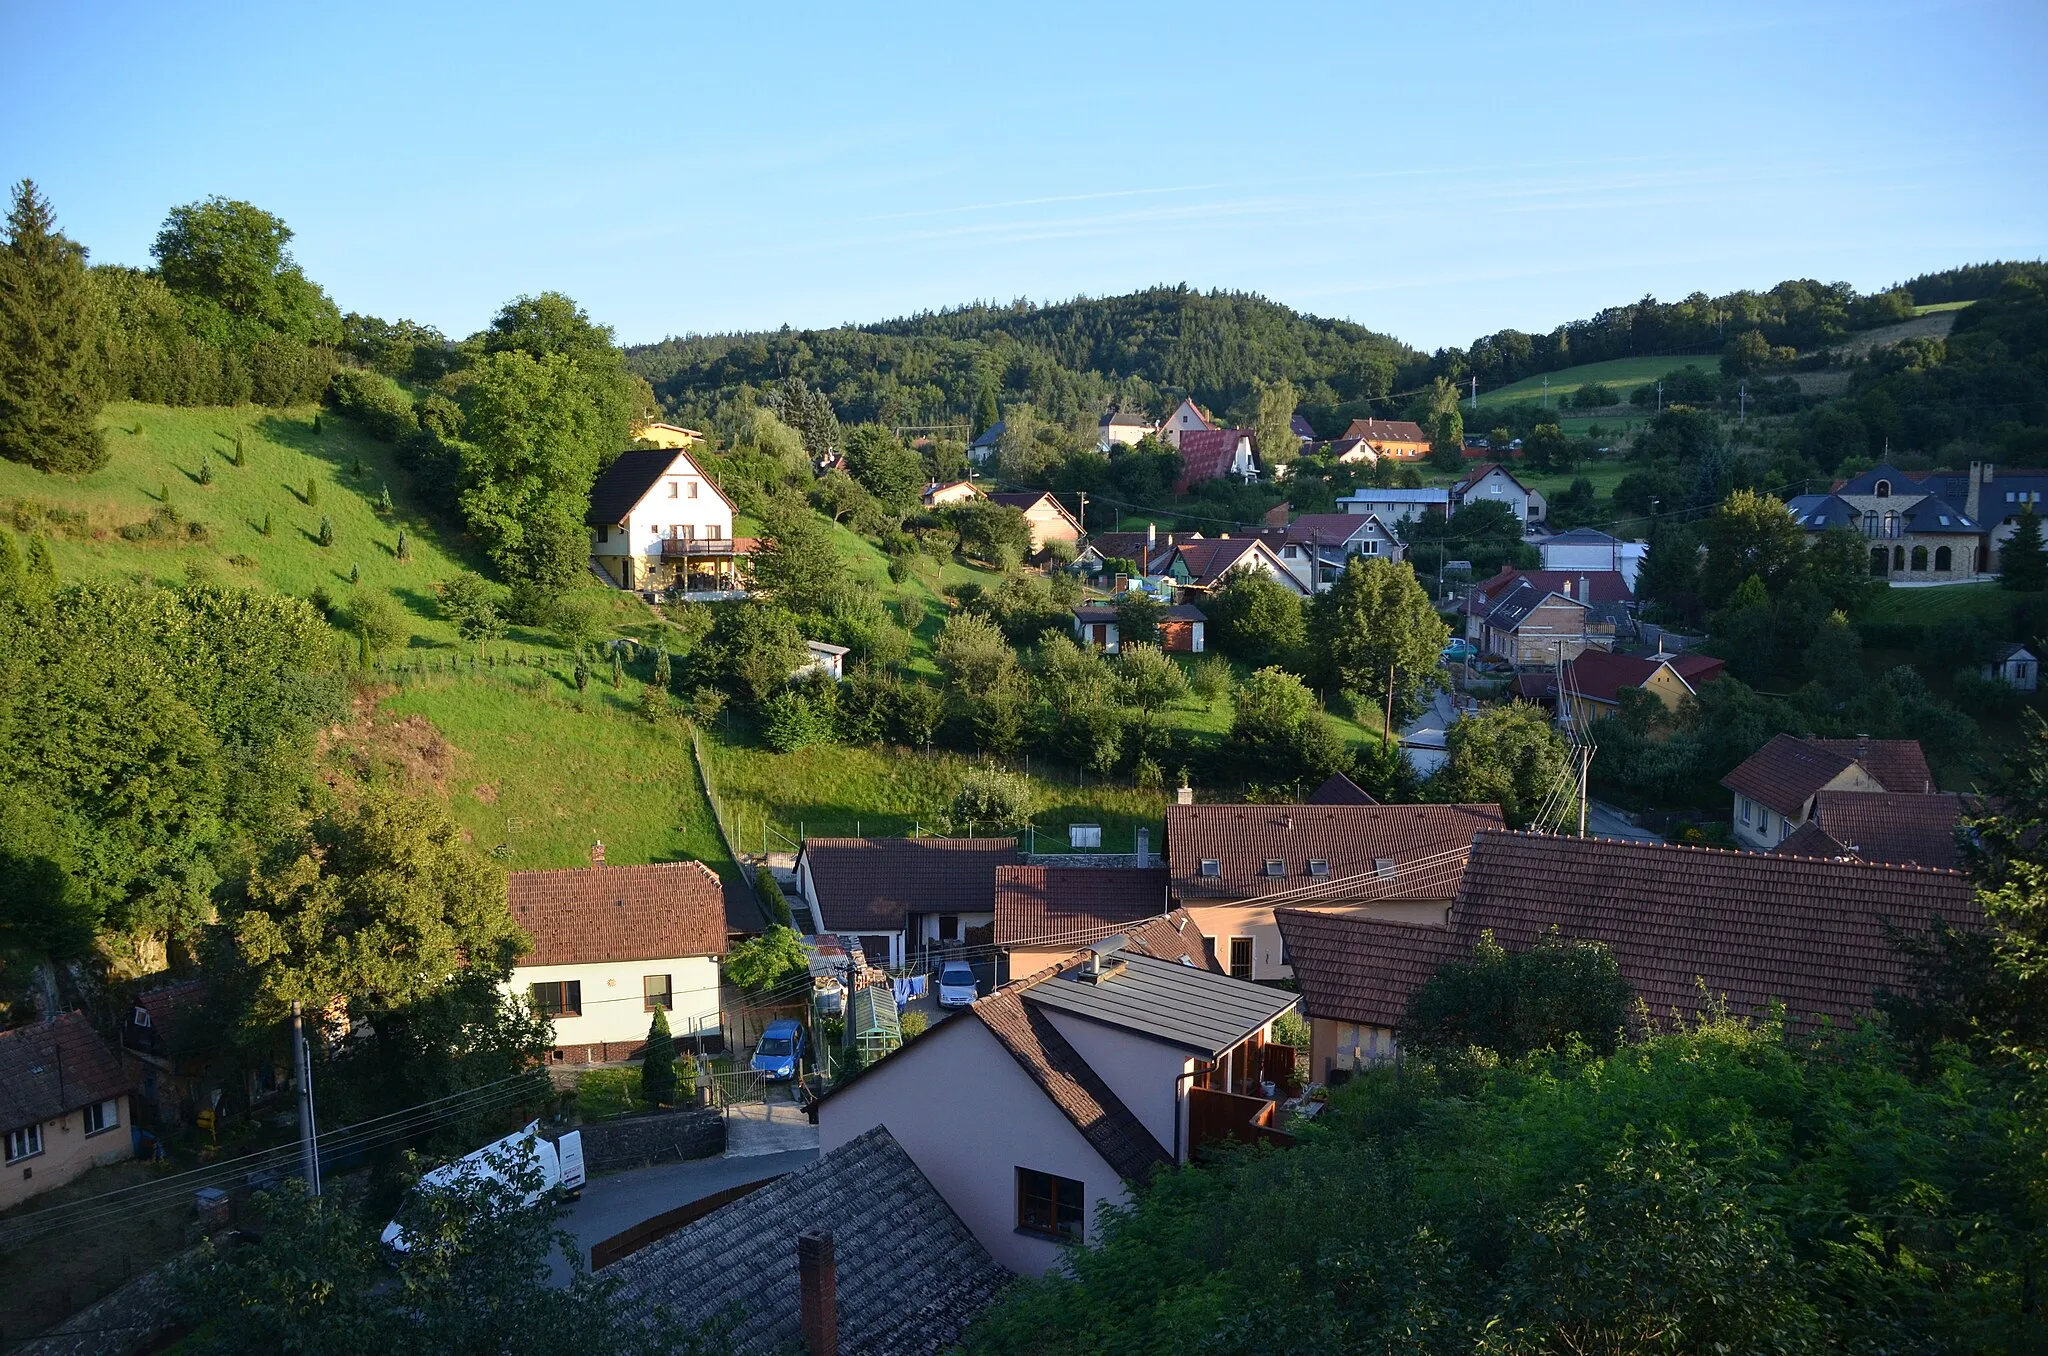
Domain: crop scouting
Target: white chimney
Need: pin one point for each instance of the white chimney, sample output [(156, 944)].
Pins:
[(1585, 590), (1151, 535)]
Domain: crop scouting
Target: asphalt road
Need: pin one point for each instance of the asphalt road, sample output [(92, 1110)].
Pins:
[(616, 1202)]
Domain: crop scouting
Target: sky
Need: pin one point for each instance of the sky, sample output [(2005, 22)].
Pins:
[(1435, 172)]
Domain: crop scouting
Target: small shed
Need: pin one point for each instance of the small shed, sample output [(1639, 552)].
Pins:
[(829, 659), (872, 1028), (2016, 666)]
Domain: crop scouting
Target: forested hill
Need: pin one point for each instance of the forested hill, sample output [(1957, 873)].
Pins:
[(1070, 359)]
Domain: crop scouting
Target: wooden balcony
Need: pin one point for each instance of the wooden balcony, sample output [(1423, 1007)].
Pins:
[(679, 548), (1215, 1116)]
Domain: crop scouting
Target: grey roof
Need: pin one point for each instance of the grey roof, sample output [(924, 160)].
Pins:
[(1591, 535), (2001, 653), (1819, 512), (990, 436), (910, 1275), (1933, 514), (1424, 496), (1198, 1010), (1526, 598)]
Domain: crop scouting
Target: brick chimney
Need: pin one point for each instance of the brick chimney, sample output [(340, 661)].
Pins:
[(1184, 796), (597, 852), (817, 1278)]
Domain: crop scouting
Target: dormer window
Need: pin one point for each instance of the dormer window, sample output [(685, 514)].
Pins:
[(1884, 489), (1211, 867), (1275, 867), (1318, 867)]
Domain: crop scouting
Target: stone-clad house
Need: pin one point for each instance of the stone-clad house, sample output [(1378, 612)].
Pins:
[(1912, 531)]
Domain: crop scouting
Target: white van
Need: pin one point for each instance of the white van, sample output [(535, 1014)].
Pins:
[(560, 1163)]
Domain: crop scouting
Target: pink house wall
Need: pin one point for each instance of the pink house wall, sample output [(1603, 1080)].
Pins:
[(1142, 1072)]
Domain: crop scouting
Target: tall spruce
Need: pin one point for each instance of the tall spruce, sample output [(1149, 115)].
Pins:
[(10, 567), (2023, 561), (49, 406), (658, 1067)]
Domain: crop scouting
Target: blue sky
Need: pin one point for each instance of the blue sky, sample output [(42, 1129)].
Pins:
[(1436, 172)]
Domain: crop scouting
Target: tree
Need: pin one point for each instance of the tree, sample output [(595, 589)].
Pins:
[(1148, 677), (467, 601), (1254, 616), (1512, 756), (972, 652), (2023, 560), (762, 962), (230, 259), (658, 1062), (990, 795), (372, 615), (49, 406), (884, 467), (39, 577), (809, 413), (1272, 423), (1446, 427), (752, 650), (1746, 354), (986, 414), (1750, 534), (1556, 992), (1138, 615), (1838, 564), (326, 530), (1374, 626), (796, 564), (1278, 733)]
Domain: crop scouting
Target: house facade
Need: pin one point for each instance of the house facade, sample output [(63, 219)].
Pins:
[(1594, 679), (611, 944), (1124, 428), (657, 521), (1397, 506), (1204, 565), (1531, 626), (1587, 550), (1187, 417), (1774, 788), (953, 492), (64, 1106), (1048, 519), (2016, 666), (898, 896), (1316, 546), (1214, 454), (1183, 629), (1911, 532), (986, 444), (1398, 439), (1494, 483)]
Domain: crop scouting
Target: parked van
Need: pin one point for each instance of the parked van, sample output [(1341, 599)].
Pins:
[(560, 1163)]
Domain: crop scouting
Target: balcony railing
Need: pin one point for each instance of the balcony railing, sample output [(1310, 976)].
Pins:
[(696, 546), (1215, 1116)]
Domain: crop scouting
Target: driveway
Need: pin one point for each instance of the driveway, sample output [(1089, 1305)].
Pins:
[(615, 1203), (1604, 821)]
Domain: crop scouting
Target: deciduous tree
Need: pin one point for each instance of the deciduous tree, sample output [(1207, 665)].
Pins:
[(1511, 756), (1374, 626)]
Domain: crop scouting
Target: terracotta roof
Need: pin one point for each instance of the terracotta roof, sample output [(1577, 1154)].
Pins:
[(1340, 790), (1046, 906), (1333, 528), (176, 1020), (1785, 773), (53, 1068), (1209, 561), (1132, 545), (593, 914), (626, 482), (1353, 840), (1891, 826), (1897, 764), (1601, 675), (1169, 937), (1069, 1081), (1207, 453), (910, 1275), (874, 884), (1755, 928), (1811, 840), (1386, 431)]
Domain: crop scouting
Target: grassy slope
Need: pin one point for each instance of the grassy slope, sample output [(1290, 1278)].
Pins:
[(1987, 601), (1623, 374)]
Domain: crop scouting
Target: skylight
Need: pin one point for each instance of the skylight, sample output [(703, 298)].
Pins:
[(1275, 867), (1211, 867), (1318, 867)]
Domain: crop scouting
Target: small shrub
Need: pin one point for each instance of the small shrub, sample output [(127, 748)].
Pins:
[(705, 704), (312, 495), (355, 573), (1209, 677), (197, 531), (241, 457), (654, 704), (206, 469), (265, 529), (326, 531), (773, 902), (914, 1024), (404, 551), (384, 500), (243, 559), (992, 796)]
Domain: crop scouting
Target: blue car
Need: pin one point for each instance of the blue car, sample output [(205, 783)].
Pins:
[(780, 1051)]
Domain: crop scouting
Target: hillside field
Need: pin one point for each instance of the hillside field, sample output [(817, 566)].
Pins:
[(1623, 374)]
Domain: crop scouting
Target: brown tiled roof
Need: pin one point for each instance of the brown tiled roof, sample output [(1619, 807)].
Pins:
[(1048, 906), (1603, 586), (1066, 1078), (1207, 453), (1889, 826), (1601, 674), (1353, 839), (874, 884), (1208, 561), (1169, 937), (55, 1067), (1386, 431), (1340, 790), (1785, 773), (1897, 764), (1811, 840), (1755, 928), (593, 914)]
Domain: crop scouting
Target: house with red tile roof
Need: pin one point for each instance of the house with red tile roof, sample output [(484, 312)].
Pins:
[(1593, 680), (1187, 417), (1231, 865), (1775, 787), (1316, 546), (1689, 927), (1881, 826), (64, 1106), (1054, 1095), (1400, 439), (1212, 454), (1048, 519), (1046, 913), (611, 944)]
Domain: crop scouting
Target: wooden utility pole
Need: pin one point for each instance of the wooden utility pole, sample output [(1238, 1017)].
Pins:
[(309, 1143)]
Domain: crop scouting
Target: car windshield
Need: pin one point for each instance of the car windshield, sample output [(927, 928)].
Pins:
[(774, 1045), (958, 975)]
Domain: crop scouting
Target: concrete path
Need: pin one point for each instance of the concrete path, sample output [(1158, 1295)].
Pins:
[(771, 1127), (616, 1202)]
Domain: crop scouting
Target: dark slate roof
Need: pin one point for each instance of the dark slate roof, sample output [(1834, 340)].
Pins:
[(1198, 1010), (1300, 427), (1755, 928), (619, 913), (1867, 482), (1340, 790), (53, 1068), (1047, 906), (1935, 516), (2011, 650), (1819, 512), (911, 1278), (1515, 606), (990, 436), (1128, 419), (1589, 536), (626, 481), (874, 884), (1885, 826), (1419, 843), (1133, 546), (1811, 840), (1208, 561), (1069, 1081)]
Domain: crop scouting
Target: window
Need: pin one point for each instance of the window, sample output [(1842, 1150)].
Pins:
[(657, 991), (672, 491), (1240, 958), (693, 489), (561, 998), (103, 1116), (1898, 557), (1919, 557), (1742, 805), (1383, 867), (141, 1017), (1884, 489), (24, 1143), (604, 534), (1211, 867), (1870, 523), (949, 927), (1275, 867), (1049, 1206), (1765, 823), (2009, 496), (1318, 867), (1369, 548), (1943, 558)]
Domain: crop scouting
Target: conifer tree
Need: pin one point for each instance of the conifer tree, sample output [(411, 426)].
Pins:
[(42, 568), (384, 500), (49, 408), (316, 425), (661, 668), (326, 531), (404, 551), (355, 574), (658, 1066), (206, 469), (10, 565), (2023, 561), (241, 456), (618, 671), (266, 524), (312, 492)]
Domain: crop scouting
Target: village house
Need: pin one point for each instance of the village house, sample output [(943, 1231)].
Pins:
[(1910, 532), (1690, 928), (1397, 506), (658, 522), (1775, 786), (1315, 547), (897, 896), (1124, 428), (1398, 439), (1183, 629), (1201, 566), (1187, 417), (611, 944), (1146, 550), (183, 1062), (1587, 550), (1996, 499), (1495, 484), (986, 444), (1048, 519), (1046, 1100), (952, 492), (1045, 913), (1898, 828), (1212, 454), (1230, 865), (1594, 679), (667, 435), (2015, 666), (63, 1106), (1531, 623)]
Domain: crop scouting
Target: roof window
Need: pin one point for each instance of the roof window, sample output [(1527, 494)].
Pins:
[(1318, 867), (1211, 867), (1275, 867), (1383, 867)]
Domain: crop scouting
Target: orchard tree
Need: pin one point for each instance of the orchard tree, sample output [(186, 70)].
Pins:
[(1278, 732), (1254, 616), (48, 403), (1375, 626), (1750, 534), (1511, 756)]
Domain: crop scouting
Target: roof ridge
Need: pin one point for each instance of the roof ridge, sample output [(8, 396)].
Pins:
[(1712, 850)]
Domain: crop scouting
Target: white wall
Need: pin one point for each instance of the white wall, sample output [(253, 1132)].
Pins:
[(613, 1000), (1142, 1072), (649, 521), (969, 1118)]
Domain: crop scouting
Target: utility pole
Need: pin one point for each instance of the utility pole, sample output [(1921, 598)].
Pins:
[(1742, 403), (309, 1142), (1084, 510), (1660, 397), (1546, 391), (1475, 390), (1585, 775)]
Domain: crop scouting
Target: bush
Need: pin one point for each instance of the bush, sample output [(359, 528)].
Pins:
[(764, 961), (773, 902), (375, 617), (992, 796), (1881, 635), (375, 401), (914, 1024), (796, 719)]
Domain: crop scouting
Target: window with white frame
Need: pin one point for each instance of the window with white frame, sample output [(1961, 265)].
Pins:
[(103, 1116), (26, 1142), (1742, 807), (672, 490)]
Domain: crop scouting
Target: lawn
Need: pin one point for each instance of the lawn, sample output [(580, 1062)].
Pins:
[(1985, 601), (1623, 374), (1933, 307)]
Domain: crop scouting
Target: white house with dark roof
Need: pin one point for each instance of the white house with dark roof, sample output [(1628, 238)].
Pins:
[(1050, 1097), (1329, 540), (1124, 428), (657, 521), (898, 895), (613, 943)]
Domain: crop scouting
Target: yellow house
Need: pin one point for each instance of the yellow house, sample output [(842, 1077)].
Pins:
[(63, 1106), (1399, 439), (1046, 516), (667, 435), (1593, 681)]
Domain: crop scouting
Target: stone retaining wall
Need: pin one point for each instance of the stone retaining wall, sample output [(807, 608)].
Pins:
[(657, 1137)]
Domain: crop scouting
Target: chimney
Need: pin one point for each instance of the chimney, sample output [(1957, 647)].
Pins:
[(1585, 590), (597, 853), (1144, 849), (1152, 536), (1567, 588), (817, 1279), (1973, 498), (1184, 796)]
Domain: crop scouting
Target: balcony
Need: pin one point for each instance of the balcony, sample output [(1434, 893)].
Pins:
[(678, 548), (1215, 1116)]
